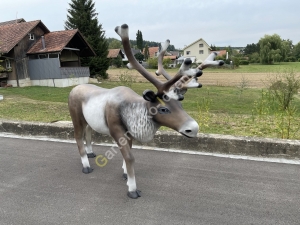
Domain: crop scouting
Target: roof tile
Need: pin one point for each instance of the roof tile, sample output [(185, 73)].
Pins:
[(54, 42), (113, 53), (12, 34)]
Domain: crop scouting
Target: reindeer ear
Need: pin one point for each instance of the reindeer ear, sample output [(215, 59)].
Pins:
[(149, 96)]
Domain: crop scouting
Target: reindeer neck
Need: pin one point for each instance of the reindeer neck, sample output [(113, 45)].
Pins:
[(138, 121)]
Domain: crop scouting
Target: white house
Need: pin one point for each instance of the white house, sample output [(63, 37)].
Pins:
[(198, 51)]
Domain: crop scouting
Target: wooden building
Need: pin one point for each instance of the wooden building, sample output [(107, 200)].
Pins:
[(32, 55)]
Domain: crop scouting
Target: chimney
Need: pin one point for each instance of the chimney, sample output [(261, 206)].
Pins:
[(43, 43)]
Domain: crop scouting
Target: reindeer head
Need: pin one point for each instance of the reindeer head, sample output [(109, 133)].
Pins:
[(164, 106)]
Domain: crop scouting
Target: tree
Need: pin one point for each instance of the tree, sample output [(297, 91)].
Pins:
[(286, 49), (139, 40), (251, 48), (213, 47), (296, 51), (114, 44), (254, 57), (146, 52), (139, 57), (267, 44), (229, 50), (82, 15)]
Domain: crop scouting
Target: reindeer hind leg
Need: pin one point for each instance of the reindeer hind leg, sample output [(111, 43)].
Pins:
[(88, 142), (79, 135), (124, 170)]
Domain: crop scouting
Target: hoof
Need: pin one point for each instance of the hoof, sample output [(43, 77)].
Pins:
[(91, 155), (124, 176), (87, 170), (134, 194)]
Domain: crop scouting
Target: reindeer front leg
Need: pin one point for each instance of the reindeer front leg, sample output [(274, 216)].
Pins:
[(128, 163), (118, 133)]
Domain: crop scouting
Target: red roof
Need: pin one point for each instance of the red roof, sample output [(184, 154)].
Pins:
[(113, 53), (152, 51), (12, 34), (54, 42), (12, 22), (221, 52)]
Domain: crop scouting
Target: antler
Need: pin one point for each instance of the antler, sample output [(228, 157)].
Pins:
[(160, 59), (185, 81), (161, 87), (192, 83), (209, 61)]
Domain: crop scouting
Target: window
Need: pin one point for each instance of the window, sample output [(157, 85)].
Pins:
[(156, 54), (200, 45), (188, 52), (31, 36), (201, 52), (7, 64), (53, 55), (43, 56)]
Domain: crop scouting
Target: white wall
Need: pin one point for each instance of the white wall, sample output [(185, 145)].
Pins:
[(51, 82), (194, 51)]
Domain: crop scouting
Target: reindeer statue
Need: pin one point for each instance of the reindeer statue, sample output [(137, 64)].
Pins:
[(125, 115)]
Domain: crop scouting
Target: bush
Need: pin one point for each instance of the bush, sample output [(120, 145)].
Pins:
[(236, 61), (117, 62), (284, 87), (152, 62), (218, 57), (126, 79), (166, 63), (291, 59), (244, 62)]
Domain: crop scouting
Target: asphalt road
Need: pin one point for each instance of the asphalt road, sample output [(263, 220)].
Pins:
[(41, 183)]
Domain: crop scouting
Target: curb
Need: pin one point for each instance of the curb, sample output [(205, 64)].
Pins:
[(212, 143)]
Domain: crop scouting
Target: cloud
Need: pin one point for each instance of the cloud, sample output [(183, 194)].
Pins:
[(219, 22)]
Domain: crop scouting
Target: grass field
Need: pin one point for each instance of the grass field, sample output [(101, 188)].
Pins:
[(228, 103), (217, 109), (254, 75)]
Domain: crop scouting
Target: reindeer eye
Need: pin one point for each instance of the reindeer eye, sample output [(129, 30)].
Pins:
[(163, 110)]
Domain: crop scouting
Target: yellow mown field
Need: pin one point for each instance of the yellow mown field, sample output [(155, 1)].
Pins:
[(258, 80)]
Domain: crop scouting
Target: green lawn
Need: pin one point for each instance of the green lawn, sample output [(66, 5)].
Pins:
[(259, 68), (217, 109)]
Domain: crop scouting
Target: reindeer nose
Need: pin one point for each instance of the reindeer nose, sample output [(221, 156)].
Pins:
[(189, 128)]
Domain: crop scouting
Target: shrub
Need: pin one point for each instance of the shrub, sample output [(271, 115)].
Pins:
[(291, 59), (126, 79), (152, 62), (283, 87), (244, 62), (117, 62)]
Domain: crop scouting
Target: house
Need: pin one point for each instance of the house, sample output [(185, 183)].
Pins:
[(173, 60), (33, 55), (197, 51), (153, 52), (114, 53), (173, 55)]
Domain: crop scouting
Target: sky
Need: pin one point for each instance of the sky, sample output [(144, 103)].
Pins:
[(219, 22)]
